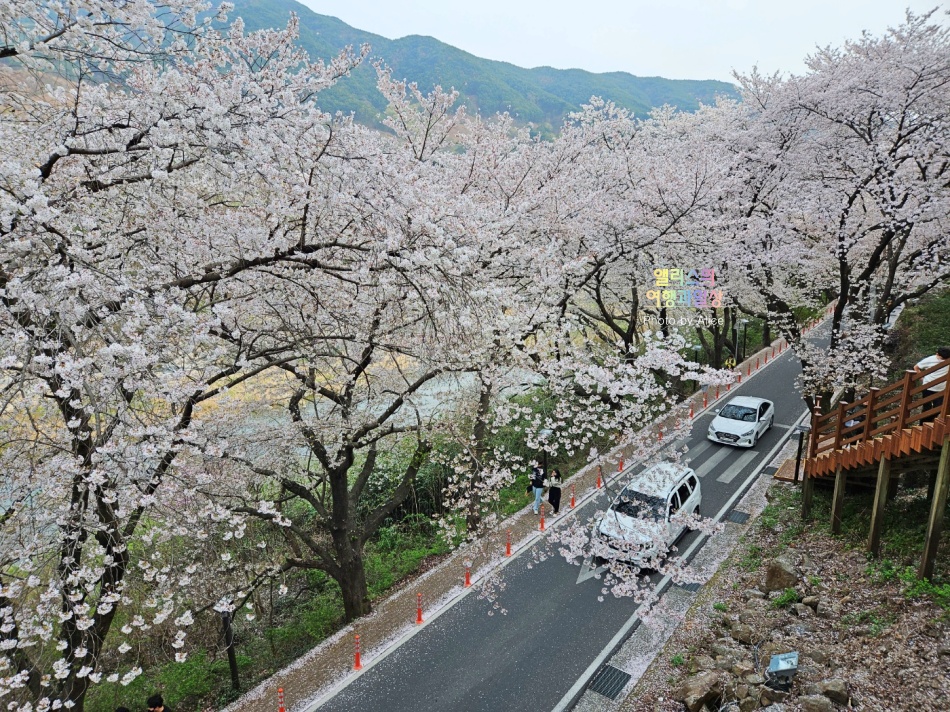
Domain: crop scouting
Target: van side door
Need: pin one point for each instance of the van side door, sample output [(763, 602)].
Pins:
[(684, 493)]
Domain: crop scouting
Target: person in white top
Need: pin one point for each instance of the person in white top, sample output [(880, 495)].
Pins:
[(943, 353)]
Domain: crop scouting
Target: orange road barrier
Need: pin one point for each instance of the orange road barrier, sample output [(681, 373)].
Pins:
[(418, 608), (280, 699), (599, 473), (508, 544), (357, 664), (691, 410), (704, 398), (542, 516), (468, 576)]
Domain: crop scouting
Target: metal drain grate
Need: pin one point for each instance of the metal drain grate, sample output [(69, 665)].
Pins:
[(692, 587), (738, 517), (609, 682)]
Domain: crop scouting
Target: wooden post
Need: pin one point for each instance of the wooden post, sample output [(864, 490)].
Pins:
[(880, 498), (869, 423), (905, 401), (837, 500), (937, 507), (808, 489), (813, 444), (839, 423)]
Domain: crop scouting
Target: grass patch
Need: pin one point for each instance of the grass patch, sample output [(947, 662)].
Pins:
[(902, 532), (752, 559), (769, 517), (914, 588), (787, 598), (183, 685), (876, 623), (397, 552), (678, 660), (720, 606)]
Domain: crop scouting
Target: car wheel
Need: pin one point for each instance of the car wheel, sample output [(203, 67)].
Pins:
[(771, 420)]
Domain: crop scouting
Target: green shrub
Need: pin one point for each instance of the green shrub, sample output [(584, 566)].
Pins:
[(769, 517), (788, 597)]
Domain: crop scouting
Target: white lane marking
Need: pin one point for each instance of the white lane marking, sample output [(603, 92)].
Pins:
[(724, 452), (587, 572), (695, 451), (738, 466)]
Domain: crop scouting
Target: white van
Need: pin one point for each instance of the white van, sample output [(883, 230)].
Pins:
[(642, 522)]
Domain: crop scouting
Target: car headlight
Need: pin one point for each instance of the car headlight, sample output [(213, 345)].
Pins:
[(747, 434)]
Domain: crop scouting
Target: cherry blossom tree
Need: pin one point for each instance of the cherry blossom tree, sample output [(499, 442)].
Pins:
[(120, 215), (842, 191)]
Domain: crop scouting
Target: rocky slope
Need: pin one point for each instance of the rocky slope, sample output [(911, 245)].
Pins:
[(867, 638)]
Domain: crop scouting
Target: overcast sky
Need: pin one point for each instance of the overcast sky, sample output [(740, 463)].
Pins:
[(677, 39)]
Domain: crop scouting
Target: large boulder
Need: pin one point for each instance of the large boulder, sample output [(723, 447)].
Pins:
[(816, 703), (702, 662), (835, 690), (742, 633), (699, 689), (781, 574)]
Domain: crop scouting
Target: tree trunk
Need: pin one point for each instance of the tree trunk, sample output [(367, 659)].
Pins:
[(229, 646), (352, 582), (480, 433)]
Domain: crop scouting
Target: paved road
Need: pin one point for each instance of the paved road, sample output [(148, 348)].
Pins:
[(555, 627)]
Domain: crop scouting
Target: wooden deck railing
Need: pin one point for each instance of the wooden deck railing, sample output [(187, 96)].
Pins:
[(884, 411)]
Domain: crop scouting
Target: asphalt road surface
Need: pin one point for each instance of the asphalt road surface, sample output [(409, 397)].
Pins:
[(555, 626)]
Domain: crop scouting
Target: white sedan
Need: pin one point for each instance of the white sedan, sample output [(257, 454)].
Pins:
[(742, 421)]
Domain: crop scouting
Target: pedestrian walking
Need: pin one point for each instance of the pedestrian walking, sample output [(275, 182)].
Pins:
[(554, 490), (537, 486), (937, 389)]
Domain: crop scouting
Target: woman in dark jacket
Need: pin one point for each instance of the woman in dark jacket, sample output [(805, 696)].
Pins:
[(554, 489)]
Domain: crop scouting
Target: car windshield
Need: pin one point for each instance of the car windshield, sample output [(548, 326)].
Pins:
[(639, 506), (738, 412)]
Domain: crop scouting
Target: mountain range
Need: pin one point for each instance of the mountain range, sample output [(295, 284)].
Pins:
[(543, 96)]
